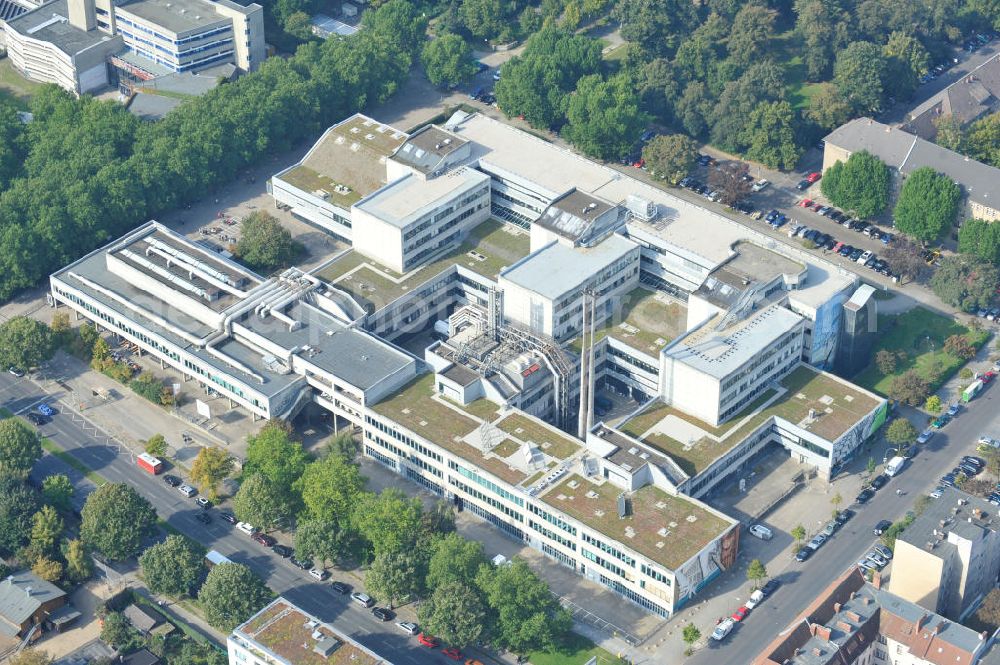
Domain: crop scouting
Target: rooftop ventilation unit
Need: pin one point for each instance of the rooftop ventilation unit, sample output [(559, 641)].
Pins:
[(624, 509)]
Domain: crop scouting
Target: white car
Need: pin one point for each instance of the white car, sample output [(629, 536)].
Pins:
[(723, 629), (925, 436), (817, 541), (760, 531), (760, 184), (863, 259), (877, 558), (755, 599), (248, 529), (318, 574), (936, 494), (987, 441), (408, 627), (187, 490), (362, 598)]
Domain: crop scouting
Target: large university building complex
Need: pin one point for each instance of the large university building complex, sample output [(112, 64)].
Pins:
[(545, 278)]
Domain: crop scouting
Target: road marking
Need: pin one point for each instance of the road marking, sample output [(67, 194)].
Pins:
[(31, 406)]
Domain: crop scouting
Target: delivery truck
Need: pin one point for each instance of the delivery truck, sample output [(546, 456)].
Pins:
[(974, 389), (149, 464)]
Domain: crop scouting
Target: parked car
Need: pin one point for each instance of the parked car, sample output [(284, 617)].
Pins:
[(817, 541), (264, 539), (937, 492), (36, 418), (173, 481), (284, 551), (300, 563), (803, 554), (881, 527), (228, 517), (246, 528), (740, 614), (879, 481), (408, 627), (723, 629), (362, 599), (46, 410), (427, 640), (187, 490), (755, 599), (844, 516), (925, 436), (941, 421), (382, 614), (865, 496), (16, 371), (830, 528), (770, 587), (759, 185), (203, 502), (340, 588), (883, 550), (760, 531), (814, 176)]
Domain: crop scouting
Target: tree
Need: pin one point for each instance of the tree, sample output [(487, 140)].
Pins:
[(447, 60), (909, 388), (858, 73), (770, 136), (965, 282), (79, 565), (298, 24), (116, 520), (156, 445), (323, 540), (982, 140), (48, 569), (330, 487), (389, 520), (861, 185), (57, 490), (211, 466), (690, 634), (392, 576), (885, 361), (901, 433), (835, 501), (731, 180), (484, 19), (656, 26), (46, 530), (455, 559), (694, 106), (455, 613), (20, 447), (258, 502), (959, 346), (264, 243), (752, 31), (949, 134), (981, 239), (870, 467), (18, 504), (670, 157), (904, 256), (756, 572), (603, 117), (273, 454), (933, 404), (343, 444), (232, 594), (906, 60), (798, 533), (827, 107), (24, 342), (174, 567), (927, 204), (119, 633), (527, 616)]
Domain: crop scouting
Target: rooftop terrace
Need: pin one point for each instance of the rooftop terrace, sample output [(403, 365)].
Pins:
[(665, 528), (648, 321), (460, 431), (284, 630), (694, 444), (490, 246)]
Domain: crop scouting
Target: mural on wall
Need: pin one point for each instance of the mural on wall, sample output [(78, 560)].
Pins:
[(858, 434)]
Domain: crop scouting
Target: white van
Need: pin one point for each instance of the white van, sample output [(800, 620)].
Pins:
[(761, 531), (894, 466)]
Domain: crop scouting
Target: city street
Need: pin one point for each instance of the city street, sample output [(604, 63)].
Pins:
[(91, 446)]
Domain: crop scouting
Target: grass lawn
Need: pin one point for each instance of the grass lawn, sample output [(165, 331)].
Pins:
[(918, 336), (577, 652), (14, 87)]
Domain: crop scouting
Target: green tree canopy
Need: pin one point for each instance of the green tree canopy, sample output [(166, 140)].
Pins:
[(906, 60), (330, 487), (980, 239), (909, 388), (273, 453), (526, 617), (455, 559), (116, 520), (211, 466), (232, 594), (858, 74), (965, 282), (537, 83), (46, 530), (670, 157), (656, 26), (79, 565), (326, 541), (156, 445), (447, 60), (901, 432), (392, 576), (389, 520), (603, 117), (265, 244), (174, 567), (24, 342), (20, 447), (982, 140), (455, 613), (827, 107), (57, 490), (756, 572), (751, 34), (260, 503), (18, 504), (927, 204), (770, 136), (861, 185)]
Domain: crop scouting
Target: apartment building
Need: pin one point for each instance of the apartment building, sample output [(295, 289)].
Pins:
[(856, 623), (949, 558), (284, 634)]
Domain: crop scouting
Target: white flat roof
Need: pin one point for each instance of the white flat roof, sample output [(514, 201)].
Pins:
[(408, 198), (557, 269)]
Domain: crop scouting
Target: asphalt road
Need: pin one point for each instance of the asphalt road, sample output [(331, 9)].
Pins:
[(802, 582), (91, 446)]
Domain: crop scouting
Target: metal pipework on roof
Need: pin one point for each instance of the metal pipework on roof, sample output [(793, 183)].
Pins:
[(194, 271), (163, 272), (195, 263)]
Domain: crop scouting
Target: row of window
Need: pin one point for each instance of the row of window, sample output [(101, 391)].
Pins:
[(472, 491), (402, 438), (552, 519), (601, 561), (486, 482), (607, 549), (552, 535), (639, 600)]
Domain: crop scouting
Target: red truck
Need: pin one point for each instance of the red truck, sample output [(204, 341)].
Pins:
[(149, 463)]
